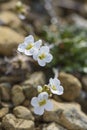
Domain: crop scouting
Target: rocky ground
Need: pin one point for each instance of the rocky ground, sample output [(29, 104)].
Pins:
[(20, 76)]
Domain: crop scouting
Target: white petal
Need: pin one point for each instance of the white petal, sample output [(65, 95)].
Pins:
[(39, 110), (43, 95), (32, 50), (27, 52), (49, 105), (54, 91), (41, 62), (51, 81), (57, 82), (60, 90), (48, 58), (38, 44), (29, 39), (34, 101), (35, 54), (44, 49), (21, 47)]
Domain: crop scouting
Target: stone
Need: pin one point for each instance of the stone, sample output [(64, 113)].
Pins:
[(12, 20), (8, 5), (10, 122), (3, 111), (17, 95), (82, 100), (68, 115), (9, 40), (30, 86), (54, 126), (9, 18), (23, 113), (5, 89), (72, 86), (84, 82)]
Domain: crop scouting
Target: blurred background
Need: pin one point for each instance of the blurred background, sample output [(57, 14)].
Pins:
[(61, 23)]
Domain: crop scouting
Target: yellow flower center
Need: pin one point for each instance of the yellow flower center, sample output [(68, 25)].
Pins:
[(42, 56), (42, 103), (54, 87), (29, 46)]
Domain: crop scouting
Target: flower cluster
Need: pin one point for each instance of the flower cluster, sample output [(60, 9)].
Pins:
[(42, 102), (42, 55)]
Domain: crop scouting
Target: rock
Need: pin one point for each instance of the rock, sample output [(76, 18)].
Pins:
[(8, 5), (9, 40), (1, 126), (82, 100), (54, 126), (84, 82), (57, 98), (30, 85), (5, 89), (68, 115), (17, 95), (3, 112), (11, 19), (23, 113), (10, 122), (6, 104), (72, 86)]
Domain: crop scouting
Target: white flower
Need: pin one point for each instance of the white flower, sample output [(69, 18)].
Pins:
[(41, 103), (43, 56), (29, 46), (55, 86)]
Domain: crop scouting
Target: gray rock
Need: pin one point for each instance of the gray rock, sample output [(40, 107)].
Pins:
[(17, 95), (9, 40), (68, 115), (72, 86), (23, 113), (5, 89), (10, 122), (30, 85)]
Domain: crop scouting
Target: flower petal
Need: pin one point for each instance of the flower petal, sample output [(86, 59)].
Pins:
[(54, 91), (38, 44), (57, 82), (44, 49), (49, 105), (51, 81), (39, 110), (60, 90), (27, 52), (48, 58), (43, 95), (35, 54), (29, 39), (34, 101), (41, 62), (21, 47)]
